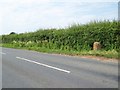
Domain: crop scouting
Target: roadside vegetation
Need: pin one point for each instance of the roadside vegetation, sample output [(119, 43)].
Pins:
[(74, 40)]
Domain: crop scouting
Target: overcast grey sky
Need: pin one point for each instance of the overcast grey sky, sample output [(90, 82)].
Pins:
[(29, 15)]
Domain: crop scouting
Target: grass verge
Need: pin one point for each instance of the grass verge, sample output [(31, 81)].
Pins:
[(102, 53)]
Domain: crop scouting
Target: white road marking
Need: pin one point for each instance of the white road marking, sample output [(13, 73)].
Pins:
[(2, 53), (44, 65)]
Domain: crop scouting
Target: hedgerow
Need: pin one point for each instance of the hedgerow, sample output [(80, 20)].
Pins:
[(76, 37)]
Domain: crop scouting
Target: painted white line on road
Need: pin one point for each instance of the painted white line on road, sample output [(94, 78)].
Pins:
[(44, 65), (2, 53)]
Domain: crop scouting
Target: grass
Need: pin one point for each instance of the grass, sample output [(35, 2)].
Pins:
[(102, 53)]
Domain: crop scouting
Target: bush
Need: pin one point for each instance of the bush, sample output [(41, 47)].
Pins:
[(76, 37)]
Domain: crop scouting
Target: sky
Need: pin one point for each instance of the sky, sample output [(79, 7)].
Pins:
[(30, 15)]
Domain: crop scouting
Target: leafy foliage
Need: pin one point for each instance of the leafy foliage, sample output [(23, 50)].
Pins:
[(76, 37)]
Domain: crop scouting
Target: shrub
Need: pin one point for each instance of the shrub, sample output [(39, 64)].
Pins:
[(76, 37)]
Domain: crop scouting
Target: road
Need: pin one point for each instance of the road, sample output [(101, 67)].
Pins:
[(30, 69)]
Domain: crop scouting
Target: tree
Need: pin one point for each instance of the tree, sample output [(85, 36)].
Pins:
[(12, 33)]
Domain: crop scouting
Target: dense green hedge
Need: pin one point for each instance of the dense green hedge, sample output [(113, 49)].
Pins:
[(76, 37)]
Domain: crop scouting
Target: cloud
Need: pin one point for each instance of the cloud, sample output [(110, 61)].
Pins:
[(29, 15)]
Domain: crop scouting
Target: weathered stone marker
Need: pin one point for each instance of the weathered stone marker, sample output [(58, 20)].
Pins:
[(96, 46)]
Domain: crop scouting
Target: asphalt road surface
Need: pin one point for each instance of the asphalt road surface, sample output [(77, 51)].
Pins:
[(30, 69)]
